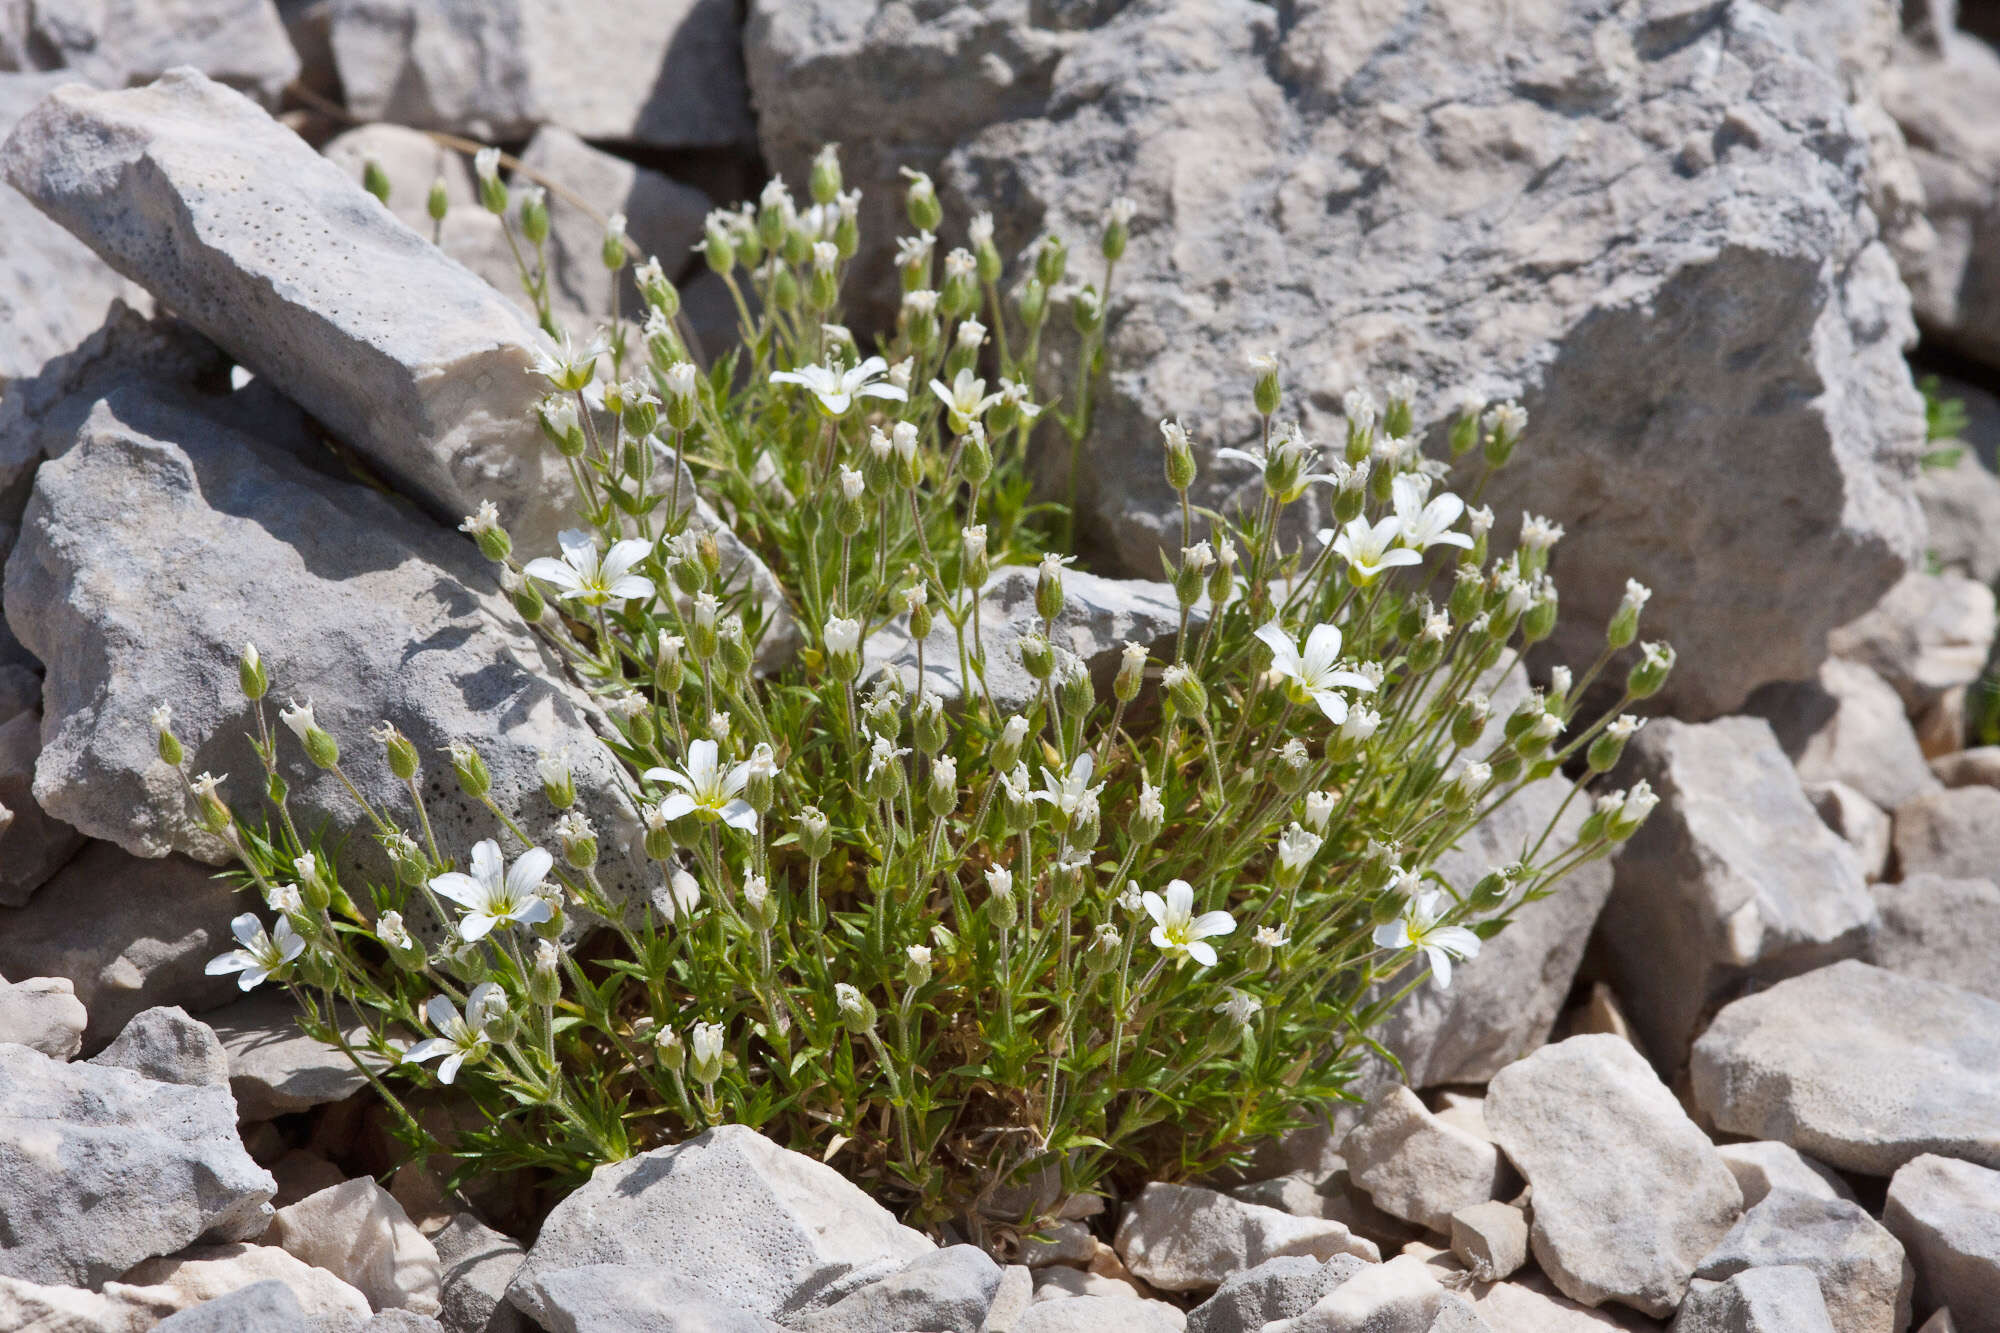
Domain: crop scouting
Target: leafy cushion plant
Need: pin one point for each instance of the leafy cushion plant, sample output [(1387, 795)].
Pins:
[(944, 944)]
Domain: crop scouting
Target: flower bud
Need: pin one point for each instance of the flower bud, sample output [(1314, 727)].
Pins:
[(718, 249), (669, 1051), (1185, 691), (1540, 619), (1265, 395), (1086, 310), (1639, 803), (857, 1011), (579, 840), (439, 201), (758, 904), (1049, 588), (1038, 659), (1493, 888), (1180, 455), (928, 724), (473, 777), (1131, 673), (1075, 691), (534, 214), (1650, 672), (403, 760), (250, 673), (705, 1046), (1609, 745), (558, 784), (1624, 626), (916, 966), (402, 948), (921, 202), (545, 974), (375, 180), (733, 647), (168, 744), (1117, 224), (1007, 746), (1033, 302), (815, 833)]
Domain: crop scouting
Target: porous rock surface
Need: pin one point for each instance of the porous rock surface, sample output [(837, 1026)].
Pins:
[(1863, 1276), (1186, 1238), (1947, 1215)]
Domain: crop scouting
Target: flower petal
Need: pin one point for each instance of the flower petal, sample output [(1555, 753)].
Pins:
[(632, 586), (740, 815), (1392, 935), (449, 1069), (1180, 899), (678, 805), (528, 872), (461, 889), (1440, 967), (233, 961), (487, 863), (427, 1049), (476, 926), (440, 1012), (246, 928), (1212, 923), (1201, 952)]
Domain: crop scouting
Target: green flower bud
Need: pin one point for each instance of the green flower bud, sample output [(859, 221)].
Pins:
[(1609, 745), (928, 727), (1540, 620), (921, 202), (1185, 691), (815, 833), (439, 201), (545, 974), (321, 747), (402, 948), (473, 778), (857, 1011), (733, 648), (250, 673), (975, 457), (375, 180), (718, 251), (1086, 310), (785, 290), (1077, 694), (1266, 394), (492, 195), (403, 760), (612, 251), (1465, 430), (170, 749), (1650, 672), (1506, 766), (1037, 657), (1180, 455), (1493, 888), (528, 603), (1049, 589), (1131, 673), (1033, 302), (1117, 223), (1051, 261), (534, 214)]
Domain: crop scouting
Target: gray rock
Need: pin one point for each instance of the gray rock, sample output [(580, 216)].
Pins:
[(1860, 1067), (1864, 824), (666, 73), (402, 1321), (358, 1232), (274, 1068), (1416, 1167), (1951, 834), (1628, 1193), (1400, 1296), (43, 1013), (1011, 1300), (476, 1264), (948, 1289), (1094, 1314), (1491, 1239), (412, 161), (1528, 1304), (1940, 929), (1947, 1215), (1863, 1275), (1058, 1242), (1275, 1289), (1763, 1165), (1734, 881), (1961, 505), (261, 1307), (730, 1214), (1502, 1004), (206, 1273), (35, 844), (127, 933), (1185, 1238), (130, 557), (1976, 767), (1059, 1283), (53, 291), (1783, 1299), (1847, 726), (1929, 634), (239, 42), (165, 1045), (101, 1168), (612, 1298)]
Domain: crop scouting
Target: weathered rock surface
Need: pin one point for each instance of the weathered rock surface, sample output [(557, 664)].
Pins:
[(1628, 1193), (1951, 834), (1400, 1296), (165, 1045), (1490, 1239), (1093, 1314), (43, 1014), (1848, 726), (730, 1215), (1735, 880), (1860, 1067), (206, 1273), (475, 1265), (101, 1168), (1863, 1276), (1763, 1165), (1940, 929), (1929, 634), (1961, 505), (1185, 1238), (1528, 1304), (1784, 1299), (950, 1288), (1978, 766), (361, 1235), (666, 73), (127, 934), (619, 1296), (34, 844), (117, 42), (1416, 1167), (1275, 1289), (262, 1307), (1864, 824), (273, 1067), (1947, 1215)]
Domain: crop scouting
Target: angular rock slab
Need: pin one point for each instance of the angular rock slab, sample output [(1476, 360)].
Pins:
[(1953, 833), (1763, 1165), (262, 1307), (476, 1264), (1928, 634), (1941, 929), (167, 1046), (1848, 726), (728, 1214), (273, 1067), (195, 193), (1734, 880), (1628, 1194), (34, 844), (950, 1288), (101, 1168), (358, 1232), (1860, 1067), (1275, 1289), (1415, 1166), (1947, 1214), (202, 1274), (1783, 1299), (42, 1013), (1186, 1238), (1863, 1276), (113, 43), (129, 578)]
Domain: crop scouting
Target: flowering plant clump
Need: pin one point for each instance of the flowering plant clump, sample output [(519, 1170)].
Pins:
[(944, 944)]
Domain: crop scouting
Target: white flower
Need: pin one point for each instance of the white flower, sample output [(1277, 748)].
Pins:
[(835, 390), (1401, 389), (970, 337), (1622, 727), (706, 790), (1070, 793), (1121, 211), (1271, 937), (486, 163), (980, 230), (682, 378), (389, 929), (1480, 521), (163, 719), (495, 894), (1314, 671), (1370, 549), (1240, 1006), (1639, 801), (261, 955), (915, 250), (1319, 809), (965, 398), (825, 254), (1264, 363), (1297, 847), (852, 486), (843, 637), (462, 1037), (572, 366), (705, 1042), (486, 518), (1151, 807), (553, 767), (298, 716), (1427, 525), (592, 580), (1177, 930), (1636, 596), (960, 264), (999, 880), (1418, 928), (1286, 462), (1509, 419), (1362, 722), (1537, 533), (1360, 409)]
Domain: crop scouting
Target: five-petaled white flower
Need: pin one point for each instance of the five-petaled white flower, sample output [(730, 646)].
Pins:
[(1239, 1005), (261, 955), (590, 578), (835, 390), (1314, 672), (459, 1040), (1426, 525), (1418, 928), (571, 367), (1072, 792), (496, 894), (965, 399), (706, 789), (842, 635), (1370, 549), (1177, 930)]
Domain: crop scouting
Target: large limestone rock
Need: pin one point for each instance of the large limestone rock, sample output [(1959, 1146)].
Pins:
[(666, 73), (358, 1232), (1628, 1194), (1417, 1167), (1782, 1299), (112, 43), (1735, 880), (101, 1167), (1961, 505), (1278, 1288), (729, 1214), (201, 1274), (1940, 929), (1185, 1238), (1947, 1214), (44, 1014), (1953, 833), (1860, 1067), (1928, 635), (1848, 726), (476, 1264), (1526, 200), (275, 1069), (166, 1045), (1864, 1278), (128, 579)]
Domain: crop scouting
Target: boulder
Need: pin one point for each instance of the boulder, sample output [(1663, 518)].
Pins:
[(1783, 1299), (1185, 1238), (728, 1214), (361, 1235), (601, 1298), (1861, 1067), (1941, 929), (947, 1289), (262, 1307), (1864, 1278), (475, 1265), (1961, 504), (1628, 1193), (1275, 1289), (117, 42), (207, 1273), (1763, 1165), (1734, 881), (1951, 834), (276, 1069), (1416, 1167), (101, 1168), (166, 1045), (1528, 1304), (1011, 1300), (299, 1173), (1094, 1314), (1928, 635), (1947, 1215), (664, 73), (1490, 1239), (1847, 726), (1864, 824), (34, 844), (1400, 1296), (127, 934), (43, 1013)]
